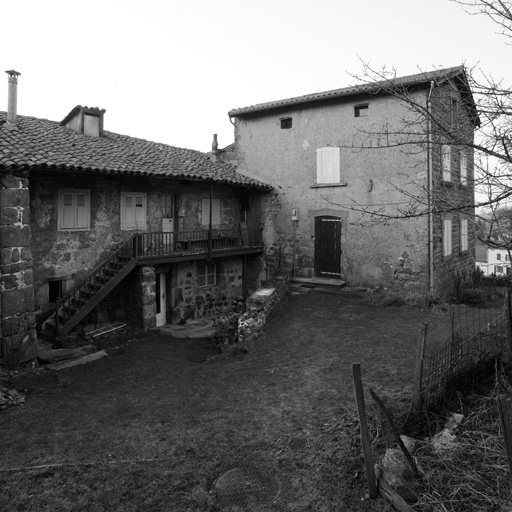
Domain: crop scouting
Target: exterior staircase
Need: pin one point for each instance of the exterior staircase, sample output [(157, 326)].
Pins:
[(75, 305)]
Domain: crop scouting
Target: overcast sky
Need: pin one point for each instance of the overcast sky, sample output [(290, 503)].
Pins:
[(170, 70)]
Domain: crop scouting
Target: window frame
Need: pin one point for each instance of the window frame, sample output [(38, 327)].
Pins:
[(205, 271), (362, 110), (74, 193), (122, 217), (447, 237), (286, 123)]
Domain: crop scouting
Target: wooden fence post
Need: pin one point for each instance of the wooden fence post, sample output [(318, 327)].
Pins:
[(365, 438), (509, 310), (418, 370), (506, 427)]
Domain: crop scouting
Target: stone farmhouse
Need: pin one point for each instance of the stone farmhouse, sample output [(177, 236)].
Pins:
[(97, 227), (367, 189)]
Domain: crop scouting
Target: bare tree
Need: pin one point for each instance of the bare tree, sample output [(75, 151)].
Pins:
[(485, 132)]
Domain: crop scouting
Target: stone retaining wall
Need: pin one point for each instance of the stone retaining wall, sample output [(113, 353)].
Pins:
[(260, 304)]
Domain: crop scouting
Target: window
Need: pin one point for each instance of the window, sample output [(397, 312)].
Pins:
[(286, 123), (447, 162), (361, 110), (498, 269), (74, 210), (133, 210), (463, 168), (205, 212), (168, 206), (328, 165), (207, 274), (498, 257), (55, 290), (506, 257), (447, 237), (464, 235)]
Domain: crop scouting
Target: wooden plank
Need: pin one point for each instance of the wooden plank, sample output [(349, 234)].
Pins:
[(504, 405), (418, 371), (389, 494), (365, 438)]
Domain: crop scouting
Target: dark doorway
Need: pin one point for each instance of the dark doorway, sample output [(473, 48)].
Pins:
[(327, 246)]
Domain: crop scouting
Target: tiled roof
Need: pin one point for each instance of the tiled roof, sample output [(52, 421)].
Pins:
[(370, 88), (41, 144)]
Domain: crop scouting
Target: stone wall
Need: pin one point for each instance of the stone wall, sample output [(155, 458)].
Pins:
[(17, 329), (260, 304)]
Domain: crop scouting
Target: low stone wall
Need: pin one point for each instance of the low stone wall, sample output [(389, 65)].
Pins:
[(259, 305)]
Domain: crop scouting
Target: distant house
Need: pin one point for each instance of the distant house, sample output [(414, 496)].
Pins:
[(103, 227), (331, 169), (493, 261)]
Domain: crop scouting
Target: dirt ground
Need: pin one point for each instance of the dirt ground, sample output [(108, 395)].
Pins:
[(153, 426)]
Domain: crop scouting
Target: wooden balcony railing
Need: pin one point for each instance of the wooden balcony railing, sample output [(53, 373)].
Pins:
[(152, 245)]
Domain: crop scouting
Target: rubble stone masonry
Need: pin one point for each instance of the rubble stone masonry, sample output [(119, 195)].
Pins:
[(17, 328)]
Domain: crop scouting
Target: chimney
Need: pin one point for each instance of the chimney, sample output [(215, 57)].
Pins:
[(12, 103), (215, 148)]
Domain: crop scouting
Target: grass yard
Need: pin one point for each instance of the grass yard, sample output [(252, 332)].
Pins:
[(153, 426)]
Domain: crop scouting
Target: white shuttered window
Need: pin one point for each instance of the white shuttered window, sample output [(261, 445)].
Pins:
[(447, 162), (463, 168), (133, 210), (74, 209), (328, 165), (464, 235), (447, 237)]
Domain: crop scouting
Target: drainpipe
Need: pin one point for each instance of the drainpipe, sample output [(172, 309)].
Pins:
[(12, 101), (430, 192)]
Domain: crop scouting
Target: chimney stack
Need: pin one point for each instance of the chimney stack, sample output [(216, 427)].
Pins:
[(12, 103), (215, 148)]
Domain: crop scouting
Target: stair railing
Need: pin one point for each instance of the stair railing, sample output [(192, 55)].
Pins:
[(71, 302)]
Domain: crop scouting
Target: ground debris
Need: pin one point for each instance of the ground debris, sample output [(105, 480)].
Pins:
[(9, 397)]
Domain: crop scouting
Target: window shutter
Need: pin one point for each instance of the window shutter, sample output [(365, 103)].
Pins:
[(463, 168), (68, 210), (328, 165), (205, 212), (447, 237), (81, 211), (447, 162), (129, 212), (464, 235)]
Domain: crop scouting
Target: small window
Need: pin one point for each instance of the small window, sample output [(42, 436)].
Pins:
[(463, 168), (498, 257), (498, 269), (464, 235), (361, 110), (74, 210), (133, 210), (447, 237), (328, 165), (205, 212), (55, 290), (207, 274), (286, 123), (447, 162)]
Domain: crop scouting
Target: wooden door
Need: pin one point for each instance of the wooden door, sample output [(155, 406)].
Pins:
[(327, 246), (161, 299)]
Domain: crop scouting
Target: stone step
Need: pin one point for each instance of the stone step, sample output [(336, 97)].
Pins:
[(320, 281)]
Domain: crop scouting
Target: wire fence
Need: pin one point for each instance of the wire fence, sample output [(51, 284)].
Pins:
[(478, 336)]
